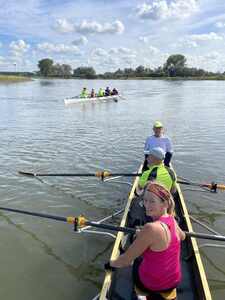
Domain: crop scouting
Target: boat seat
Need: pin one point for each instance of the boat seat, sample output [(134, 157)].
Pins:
[(171, 295)]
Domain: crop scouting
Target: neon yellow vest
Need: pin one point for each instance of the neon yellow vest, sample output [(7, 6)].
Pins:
[(101, 93), (84, 94), (162, 176)]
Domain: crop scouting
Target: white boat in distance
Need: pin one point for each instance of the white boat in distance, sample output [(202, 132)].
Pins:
[(75, 100)]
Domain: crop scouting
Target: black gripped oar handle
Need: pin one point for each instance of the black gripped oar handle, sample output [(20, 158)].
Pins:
[(111, 227), (205, 236)]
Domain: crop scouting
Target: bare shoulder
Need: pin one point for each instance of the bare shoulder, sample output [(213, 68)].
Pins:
[(152, 227)]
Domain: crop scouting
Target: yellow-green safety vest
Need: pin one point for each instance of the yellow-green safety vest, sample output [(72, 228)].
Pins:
[(101, 93), (159, 173), (84, 94)]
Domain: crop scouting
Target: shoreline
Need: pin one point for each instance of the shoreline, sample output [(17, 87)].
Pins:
[(14, 79), (17, 79), (219, 78)]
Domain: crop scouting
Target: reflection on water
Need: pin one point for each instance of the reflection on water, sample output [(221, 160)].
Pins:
[(40, 134)]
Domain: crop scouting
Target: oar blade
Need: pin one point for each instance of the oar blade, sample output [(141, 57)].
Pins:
[(26, 173)]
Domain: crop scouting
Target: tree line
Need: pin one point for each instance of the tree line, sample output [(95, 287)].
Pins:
[(175, 66)]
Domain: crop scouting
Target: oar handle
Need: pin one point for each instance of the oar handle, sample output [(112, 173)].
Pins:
[(111, 227), (206, 236)]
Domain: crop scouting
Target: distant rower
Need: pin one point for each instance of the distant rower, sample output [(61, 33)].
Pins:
[(84, 93)]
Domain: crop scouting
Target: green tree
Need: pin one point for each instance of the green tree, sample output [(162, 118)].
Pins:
[(140, 71), (174, 64), (84, 72), (119, 73), (45, 66), (178, 60)]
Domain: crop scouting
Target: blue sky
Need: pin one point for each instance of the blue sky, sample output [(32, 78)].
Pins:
[(111, 34)]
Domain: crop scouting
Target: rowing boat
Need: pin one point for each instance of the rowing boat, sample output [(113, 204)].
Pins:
[(194, 284), (75, 100)]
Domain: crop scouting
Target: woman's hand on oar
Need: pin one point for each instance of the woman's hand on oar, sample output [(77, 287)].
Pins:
[(81, 221)]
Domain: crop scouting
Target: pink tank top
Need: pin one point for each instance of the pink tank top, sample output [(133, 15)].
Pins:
[(160, 270)]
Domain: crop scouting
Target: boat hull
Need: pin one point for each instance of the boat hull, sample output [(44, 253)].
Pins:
[(69, 101)]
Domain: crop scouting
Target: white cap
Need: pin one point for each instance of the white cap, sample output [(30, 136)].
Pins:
[(157, 152)]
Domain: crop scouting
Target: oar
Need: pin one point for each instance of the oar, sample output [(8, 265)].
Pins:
[(81, 221), (77, 221), (102, 174)]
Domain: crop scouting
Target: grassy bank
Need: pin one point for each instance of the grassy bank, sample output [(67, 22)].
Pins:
[(13, 79)]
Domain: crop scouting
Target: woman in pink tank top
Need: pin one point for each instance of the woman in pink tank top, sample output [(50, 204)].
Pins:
[(158, 245)]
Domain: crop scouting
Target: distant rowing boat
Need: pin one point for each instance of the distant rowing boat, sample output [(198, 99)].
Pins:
[(194, 284), (75, 100)]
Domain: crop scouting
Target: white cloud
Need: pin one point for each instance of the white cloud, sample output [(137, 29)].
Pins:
[(80, 41), (144, 39), (213, 61), (153, 50), (220, 24), (185, 43), (156, 10), (99, 52), (213, 55), (89, 27), (63, 26), (95, 27), (57, 48), (114, 53), (195, 41), (183, 8), (121, 51), (164, 9), (113, 58), (212, 36), (18, 48)]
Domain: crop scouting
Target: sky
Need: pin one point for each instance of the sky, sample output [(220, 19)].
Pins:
[(111, 34)]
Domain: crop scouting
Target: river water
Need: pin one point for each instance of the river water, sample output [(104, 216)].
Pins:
[(45, 259)]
